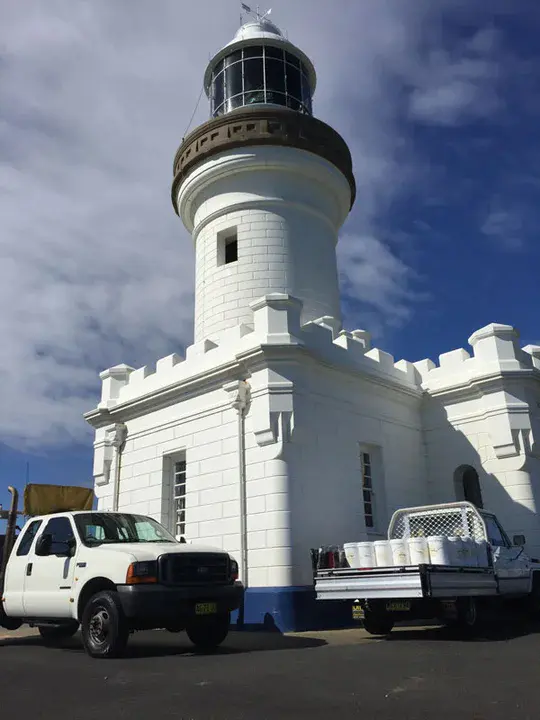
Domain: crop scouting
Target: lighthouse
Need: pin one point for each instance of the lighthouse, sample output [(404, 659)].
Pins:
[(263, 186), (278, 430)]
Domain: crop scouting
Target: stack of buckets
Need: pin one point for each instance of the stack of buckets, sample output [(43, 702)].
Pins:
[(432, 550)]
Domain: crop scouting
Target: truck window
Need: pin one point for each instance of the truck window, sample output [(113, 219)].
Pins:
[(28, 538), (61, 531), (495, 534), (97, 528)]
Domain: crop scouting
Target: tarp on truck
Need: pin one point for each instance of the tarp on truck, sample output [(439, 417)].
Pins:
[(46, 499)]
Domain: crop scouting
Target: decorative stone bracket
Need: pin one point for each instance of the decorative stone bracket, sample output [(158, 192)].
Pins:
[(240, 395), (272, 415), (112, 437)]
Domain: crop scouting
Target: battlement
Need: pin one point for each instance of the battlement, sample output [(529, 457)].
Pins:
[(276, 323), (495, 349)]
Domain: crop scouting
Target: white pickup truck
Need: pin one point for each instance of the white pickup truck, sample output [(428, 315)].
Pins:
[(454, 591), (113, 573)]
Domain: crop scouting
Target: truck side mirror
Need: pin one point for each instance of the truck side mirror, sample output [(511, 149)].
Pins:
[(519, 540)]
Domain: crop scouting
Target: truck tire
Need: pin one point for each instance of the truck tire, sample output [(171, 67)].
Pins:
[(9, 623), (209, 632), (53, 634), (469, 617), (378, 623), (105, 631)]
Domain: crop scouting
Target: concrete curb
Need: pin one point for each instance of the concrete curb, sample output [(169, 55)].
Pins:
[(23, 632)]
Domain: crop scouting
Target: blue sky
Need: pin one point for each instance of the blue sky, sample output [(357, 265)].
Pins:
[(439, 101)]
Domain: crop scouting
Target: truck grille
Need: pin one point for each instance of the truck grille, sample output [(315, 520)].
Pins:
[(194, 569)]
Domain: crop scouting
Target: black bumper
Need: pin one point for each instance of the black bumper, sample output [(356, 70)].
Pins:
[(159, 602)]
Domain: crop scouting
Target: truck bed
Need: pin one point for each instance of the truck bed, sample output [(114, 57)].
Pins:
[(416, 581)]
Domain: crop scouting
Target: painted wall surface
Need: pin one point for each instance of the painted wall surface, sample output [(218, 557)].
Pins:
[(336, 417)]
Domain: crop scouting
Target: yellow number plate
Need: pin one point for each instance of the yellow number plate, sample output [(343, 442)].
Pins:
[(205, 609), (357, 612), (396, 606)]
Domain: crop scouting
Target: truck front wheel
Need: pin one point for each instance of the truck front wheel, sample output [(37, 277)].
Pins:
[(207, 633), (104, 627), (378, 623)]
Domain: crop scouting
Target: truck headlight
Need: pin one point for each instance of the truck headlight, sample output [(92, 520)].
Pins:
[(142, 572)]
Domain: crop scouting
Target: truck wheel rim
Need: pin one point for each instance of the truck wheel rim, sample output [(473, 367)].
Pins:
[(99, 626), (471, 613)]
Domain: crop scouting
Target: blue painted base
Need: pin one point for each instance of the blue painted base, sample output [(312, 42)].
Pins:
[(291, 609)]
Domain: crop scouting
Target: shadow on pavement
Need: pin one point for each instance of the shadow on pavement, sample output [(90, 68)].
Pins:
[(162, 644), (492, 632)]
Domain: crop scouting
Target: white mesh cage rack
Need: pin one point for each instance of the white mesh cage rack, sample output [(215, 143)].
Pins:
[(460, 519)]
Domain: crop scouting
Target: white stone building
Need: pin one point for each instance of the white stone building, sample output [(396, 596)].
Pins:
[(280, 430)]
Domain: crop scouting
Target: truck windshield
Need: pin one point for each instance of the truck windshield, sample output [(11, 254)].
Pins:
[(99, 528)]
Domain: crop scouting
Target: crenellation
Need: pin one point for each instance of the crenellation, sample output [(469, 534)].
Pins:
[(453, 360), (533, 351), (409, 370), (385, 360), (364, 337)]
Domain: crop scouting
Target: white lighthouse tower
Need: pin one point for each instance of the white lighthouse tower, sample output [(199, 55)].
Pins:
[(279, 431), (263, 186)]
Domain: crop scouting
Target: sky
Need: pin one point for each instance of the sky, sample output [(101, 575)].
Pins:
[(439, 101)]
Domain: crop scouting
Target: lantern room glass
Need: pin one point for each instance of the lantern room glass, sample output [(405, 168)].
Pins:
[(260, 74)]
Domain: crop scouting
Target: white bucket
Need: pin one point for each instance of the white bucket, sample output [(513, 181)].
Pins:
[(482, 553), (383, 553), (439, 550), (366, 555), (351, 553), (400, 552), (418, 551), (456, 551), (470, 555)]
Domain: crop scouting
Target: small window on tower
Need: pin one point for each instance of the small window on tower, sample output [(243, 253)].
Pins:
[(227, 250)]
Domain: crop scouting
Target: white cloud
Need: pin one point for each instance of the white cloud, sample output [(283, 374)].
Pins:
[(374, 276), (506, 224), (95, 268), (455, 87)]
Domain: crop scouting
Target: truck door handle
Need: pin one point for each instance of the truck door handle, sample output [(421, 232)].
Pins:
[(29, 569)]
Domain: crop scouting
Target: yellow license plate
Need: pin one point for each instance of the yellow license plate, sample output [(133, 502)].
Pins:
[(206, 609), (357, 612), (397, 606)]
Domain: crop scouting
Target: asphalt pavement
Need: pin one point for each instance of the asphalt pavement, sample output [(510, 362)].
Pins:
[(415, 673)]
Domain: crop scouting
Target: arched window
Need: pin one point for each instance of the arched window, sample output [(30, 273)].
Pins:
[(467, 485)]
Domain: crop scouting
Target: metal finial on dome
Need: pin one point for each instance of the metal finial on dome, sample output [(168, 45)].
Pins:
[(256, 13)]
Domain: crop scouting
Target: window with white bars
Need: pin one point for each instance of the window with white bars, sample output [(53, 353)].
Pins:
[(368, 494), (179, 497)]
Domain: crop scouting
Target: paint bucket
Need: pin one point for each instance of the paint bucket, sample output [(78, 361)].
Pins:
[(418, 551), (366, 555), (456, 551), (439, 550), (351, 553), (470, 554), (400, 552), (383, 553), (482, 555)]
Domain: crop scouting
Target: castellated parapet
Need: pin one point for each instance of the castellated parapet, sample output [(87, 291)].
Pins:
[(276, 325)]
